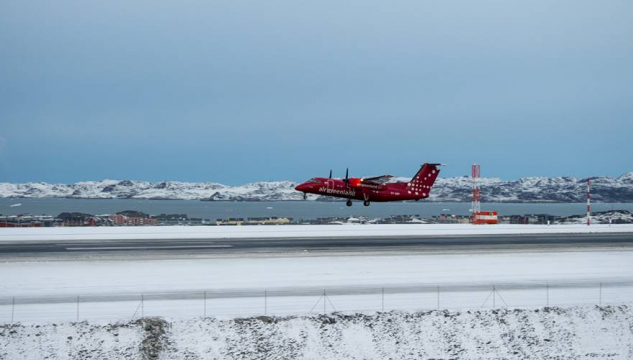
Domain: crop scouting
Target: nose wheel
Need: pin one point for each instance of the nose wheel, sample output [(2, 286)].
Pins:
[(349, 203), (305, 196), (366, 202)]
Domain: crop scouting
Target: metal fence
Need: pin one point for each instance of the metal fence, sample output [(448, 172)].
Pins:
[(312, 299)]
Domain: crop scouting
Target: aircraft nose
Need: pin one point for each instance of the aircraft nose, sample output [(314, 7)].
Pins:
[(300, 187)]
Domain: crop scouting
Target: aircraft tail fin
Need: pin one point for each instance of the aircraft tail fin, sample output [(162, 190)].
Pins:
[(424, 179)]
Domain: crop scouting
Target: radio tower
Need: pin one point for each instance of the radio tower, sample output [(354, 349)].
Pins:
[(588, 202), (476, 206)]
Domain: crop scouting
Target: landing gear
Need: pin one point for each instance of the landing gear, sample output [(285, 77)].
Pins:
[(366, 202), (305, 196), (349, 203)]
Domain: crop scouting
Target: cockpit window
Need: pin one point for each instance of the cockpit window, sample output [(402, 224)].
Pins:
[(314, 180)]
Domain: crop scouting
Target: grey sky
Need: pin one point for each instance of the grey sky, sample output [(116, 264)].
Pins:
[(238, 91)]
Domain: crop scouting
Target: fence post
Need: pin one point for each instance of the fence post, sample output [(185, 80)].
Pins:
[(600, 294), (265, 302), (324, 301), (383, 299), (77, 308), (438, 298), (12, 309), (142, 307)]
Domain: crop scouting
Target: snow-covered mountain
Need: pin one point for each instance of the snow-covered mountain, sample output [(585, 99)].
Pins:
[(537, 189), (166, 190), (530, 189), (599, 217)]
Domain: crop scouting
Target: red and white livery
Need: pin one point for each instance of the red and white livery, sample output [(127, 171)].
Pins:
[(375, 188)]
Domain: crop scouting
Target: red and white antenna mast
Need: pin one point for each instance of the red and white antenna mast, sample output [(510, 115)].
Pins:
[(476, 205), (588, 202)]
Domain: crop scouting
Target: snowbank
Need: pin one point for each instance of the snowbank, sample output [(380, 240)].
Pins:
[(578, 332), (293, 231)]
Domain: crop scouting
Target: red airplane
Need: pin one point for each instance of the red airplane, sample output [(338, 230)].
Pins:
[(373, 188)]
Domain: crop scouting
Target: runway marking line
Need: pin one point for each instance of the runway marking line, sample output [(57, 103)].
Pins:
[(148, 247)]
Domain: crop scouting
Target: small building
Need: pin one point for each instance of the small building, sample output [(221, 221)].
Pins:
[(76, 219), (485, 217), (268, 221), (230, 221), (132, 218), (26, 220)]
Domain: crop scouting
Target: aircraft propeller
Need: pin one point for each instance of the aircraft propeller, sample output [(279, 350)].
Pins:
[(330, 173)]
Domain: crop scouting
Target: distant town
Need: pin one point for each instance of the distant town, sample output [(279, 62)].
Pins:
[(137, 218)]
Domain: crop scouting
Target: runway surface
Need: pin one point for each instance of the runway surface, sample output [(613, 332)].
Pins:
[(111, 279), (176, 246)]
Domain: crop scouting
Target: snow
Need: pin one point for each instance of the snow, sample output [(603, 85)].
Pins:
[(294, 231), (576, 332), (166, 190), (604, 217), (355, 325), (71, 341), (564, 333), (235, 286), (529, 189), (231, 290)]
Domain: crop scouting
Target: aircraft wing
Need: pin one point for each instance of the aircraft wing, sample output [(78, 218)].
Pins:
[(378, 180)]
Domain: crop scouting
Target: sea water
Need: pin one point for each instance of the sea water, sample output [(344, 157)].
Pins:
[(295, 209)]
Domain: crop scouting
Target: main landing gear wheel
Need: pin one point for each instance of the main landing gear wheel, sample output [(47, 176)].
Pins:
[(366, 202), (349, 203)]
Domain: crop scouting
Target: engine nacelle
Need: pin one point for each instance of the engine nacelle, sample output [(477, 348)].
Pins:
[(355, 182)]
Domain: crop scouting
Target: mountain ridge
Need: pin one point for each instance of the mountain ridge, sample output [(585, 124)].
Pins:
[(454, 189)]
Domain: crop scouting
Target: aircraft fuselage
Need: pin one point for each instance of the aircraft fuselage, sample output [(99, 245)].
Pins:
[(419, 187)]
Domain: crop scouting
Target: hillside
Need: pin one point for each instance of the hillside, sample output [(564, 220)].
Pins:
[(530, 189), (562, 333)]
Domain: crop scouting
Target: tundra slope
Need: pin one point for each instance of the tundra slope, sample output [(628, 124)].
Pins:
[(562, 333), (530, 189)]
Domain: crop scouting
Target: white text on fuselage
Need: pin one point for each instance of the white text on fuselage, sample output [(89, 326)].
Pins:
[(371, 186), (337, 192)]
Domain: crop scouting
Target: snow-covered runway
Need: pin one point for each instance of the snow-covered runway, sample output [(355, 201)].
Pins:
[(242, 286), (281, 282), (293, 231)]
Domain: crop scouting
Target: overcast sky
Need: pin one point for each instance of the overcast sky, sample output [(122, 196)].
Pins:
[(240, 91)]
